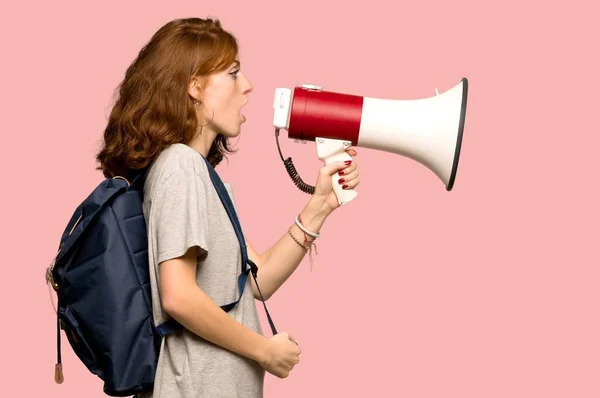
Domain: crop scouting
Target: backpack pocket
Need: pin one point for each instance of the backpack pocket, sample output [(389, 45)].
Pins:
[(77, 337)]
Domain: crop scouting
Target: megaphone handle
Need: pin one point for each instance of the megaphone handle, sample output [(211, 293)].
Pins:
[(330, 151)]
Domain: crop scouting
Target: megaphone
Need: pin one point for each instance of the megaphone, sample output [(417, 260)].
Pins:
[(427, 130)]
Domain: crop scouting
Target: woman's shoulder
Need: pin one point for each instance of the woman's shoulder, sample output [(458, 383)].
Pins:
[(176, 162), (179, 158)]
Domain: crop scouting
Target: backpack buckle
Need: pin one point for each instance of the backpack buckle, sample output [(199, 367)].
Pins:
[(49, 275), (50, 278), (253, 267)]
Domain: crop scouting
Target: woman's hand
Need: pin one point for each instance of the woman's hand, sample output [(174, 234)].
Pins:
[(346, 175)]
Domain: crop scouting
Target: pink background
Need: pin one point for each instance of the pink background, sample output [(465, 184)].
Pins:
[(488, 291)]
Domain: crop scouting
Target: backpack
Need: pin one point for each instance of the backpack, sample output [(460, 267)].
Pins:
[(101, 279)]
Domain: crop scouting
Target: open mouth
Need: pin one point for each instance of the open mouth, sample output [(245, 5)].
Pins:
[(241, 114)]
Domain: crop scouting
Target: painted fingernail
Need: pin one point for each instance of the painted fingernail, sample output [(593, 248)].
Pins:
[(347, 162), (341, 180), (344, 186), (341, 172)]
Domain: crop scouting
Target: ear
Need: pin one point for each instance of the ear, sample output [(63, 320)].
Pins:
[(195, 88)]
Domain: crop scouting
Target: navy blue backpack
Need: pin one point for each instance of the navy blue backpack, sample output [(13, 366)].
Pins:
[(101, 279)]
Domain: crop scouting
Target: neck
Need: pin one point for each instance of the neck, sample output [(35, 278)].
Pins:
[(203, 141)]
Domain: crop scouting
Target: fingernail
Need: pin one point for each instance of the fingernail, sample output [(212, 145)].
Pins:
[(341, 172), (341, 180), (347, 162), (344, 186)]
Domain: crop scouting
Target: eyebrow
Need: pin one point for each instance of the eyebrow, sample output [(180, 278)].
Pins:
[(236, 63)]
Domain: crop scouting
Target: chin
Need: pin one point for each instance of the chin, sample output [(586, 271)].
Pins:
[(231, 133)]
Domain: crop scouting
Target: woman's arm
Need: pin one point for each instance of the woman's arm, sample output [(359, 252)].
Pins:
[(280, 261), (197, 312), (193, 309)]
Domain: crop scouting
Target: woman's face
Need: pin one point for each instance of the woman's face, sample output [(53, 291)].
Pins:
[(223, 97)]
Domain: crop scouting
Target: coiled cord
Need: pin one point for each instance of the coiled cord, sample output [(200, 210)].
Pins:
[(291, 170)]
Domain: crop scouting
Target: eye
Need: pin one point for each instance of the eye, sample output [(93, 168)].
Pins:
[(234, 73)]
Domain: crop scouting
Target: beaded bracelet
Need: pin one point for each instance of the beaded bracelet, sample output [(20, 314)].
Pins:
[(297, 241), (306, 249)]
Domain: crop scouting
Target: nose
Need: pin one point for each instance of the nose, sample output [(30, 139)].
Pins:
[(247, 86)]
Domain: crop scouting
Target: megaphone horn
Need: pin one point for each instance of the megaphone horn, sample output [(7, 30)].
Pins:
[(427, 130)]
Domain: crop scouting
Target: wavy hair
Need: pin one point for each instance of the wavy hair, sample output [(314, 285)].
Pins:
[(153, 109)]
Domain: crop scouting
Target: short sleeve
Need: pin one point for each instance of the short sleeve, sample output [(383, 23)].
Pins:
[(180, 216), (230, 192)]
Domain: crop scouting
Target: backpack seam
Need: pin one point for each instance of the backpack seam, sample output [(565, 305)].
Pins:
[(129, 252)]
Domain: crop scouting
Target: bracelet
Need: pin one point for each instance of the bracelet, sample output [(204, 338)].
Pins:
[(296, 240), (299, 224), (306, 249)]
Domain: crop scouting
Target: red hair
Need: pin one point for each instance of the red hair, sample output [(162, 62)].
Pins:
[(153, 109)]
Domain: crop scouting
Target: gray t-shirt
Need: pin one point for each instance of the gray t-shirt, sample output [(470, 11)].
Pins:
[(183, 210)]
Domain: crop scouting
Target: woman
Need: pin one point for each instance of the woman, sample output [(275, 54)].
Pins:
[(178, 105)]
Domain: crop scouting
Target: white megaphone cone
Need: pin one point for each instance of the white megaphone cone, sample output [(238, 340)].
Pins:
[(427, 130)]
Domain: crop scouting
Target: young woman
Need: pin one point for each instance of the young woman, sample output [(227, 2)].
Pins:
[(179, 103)]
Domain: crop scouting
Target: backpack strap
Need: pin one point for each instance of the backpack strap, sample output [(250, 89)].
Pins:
[(225, 199), (139, 178)]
